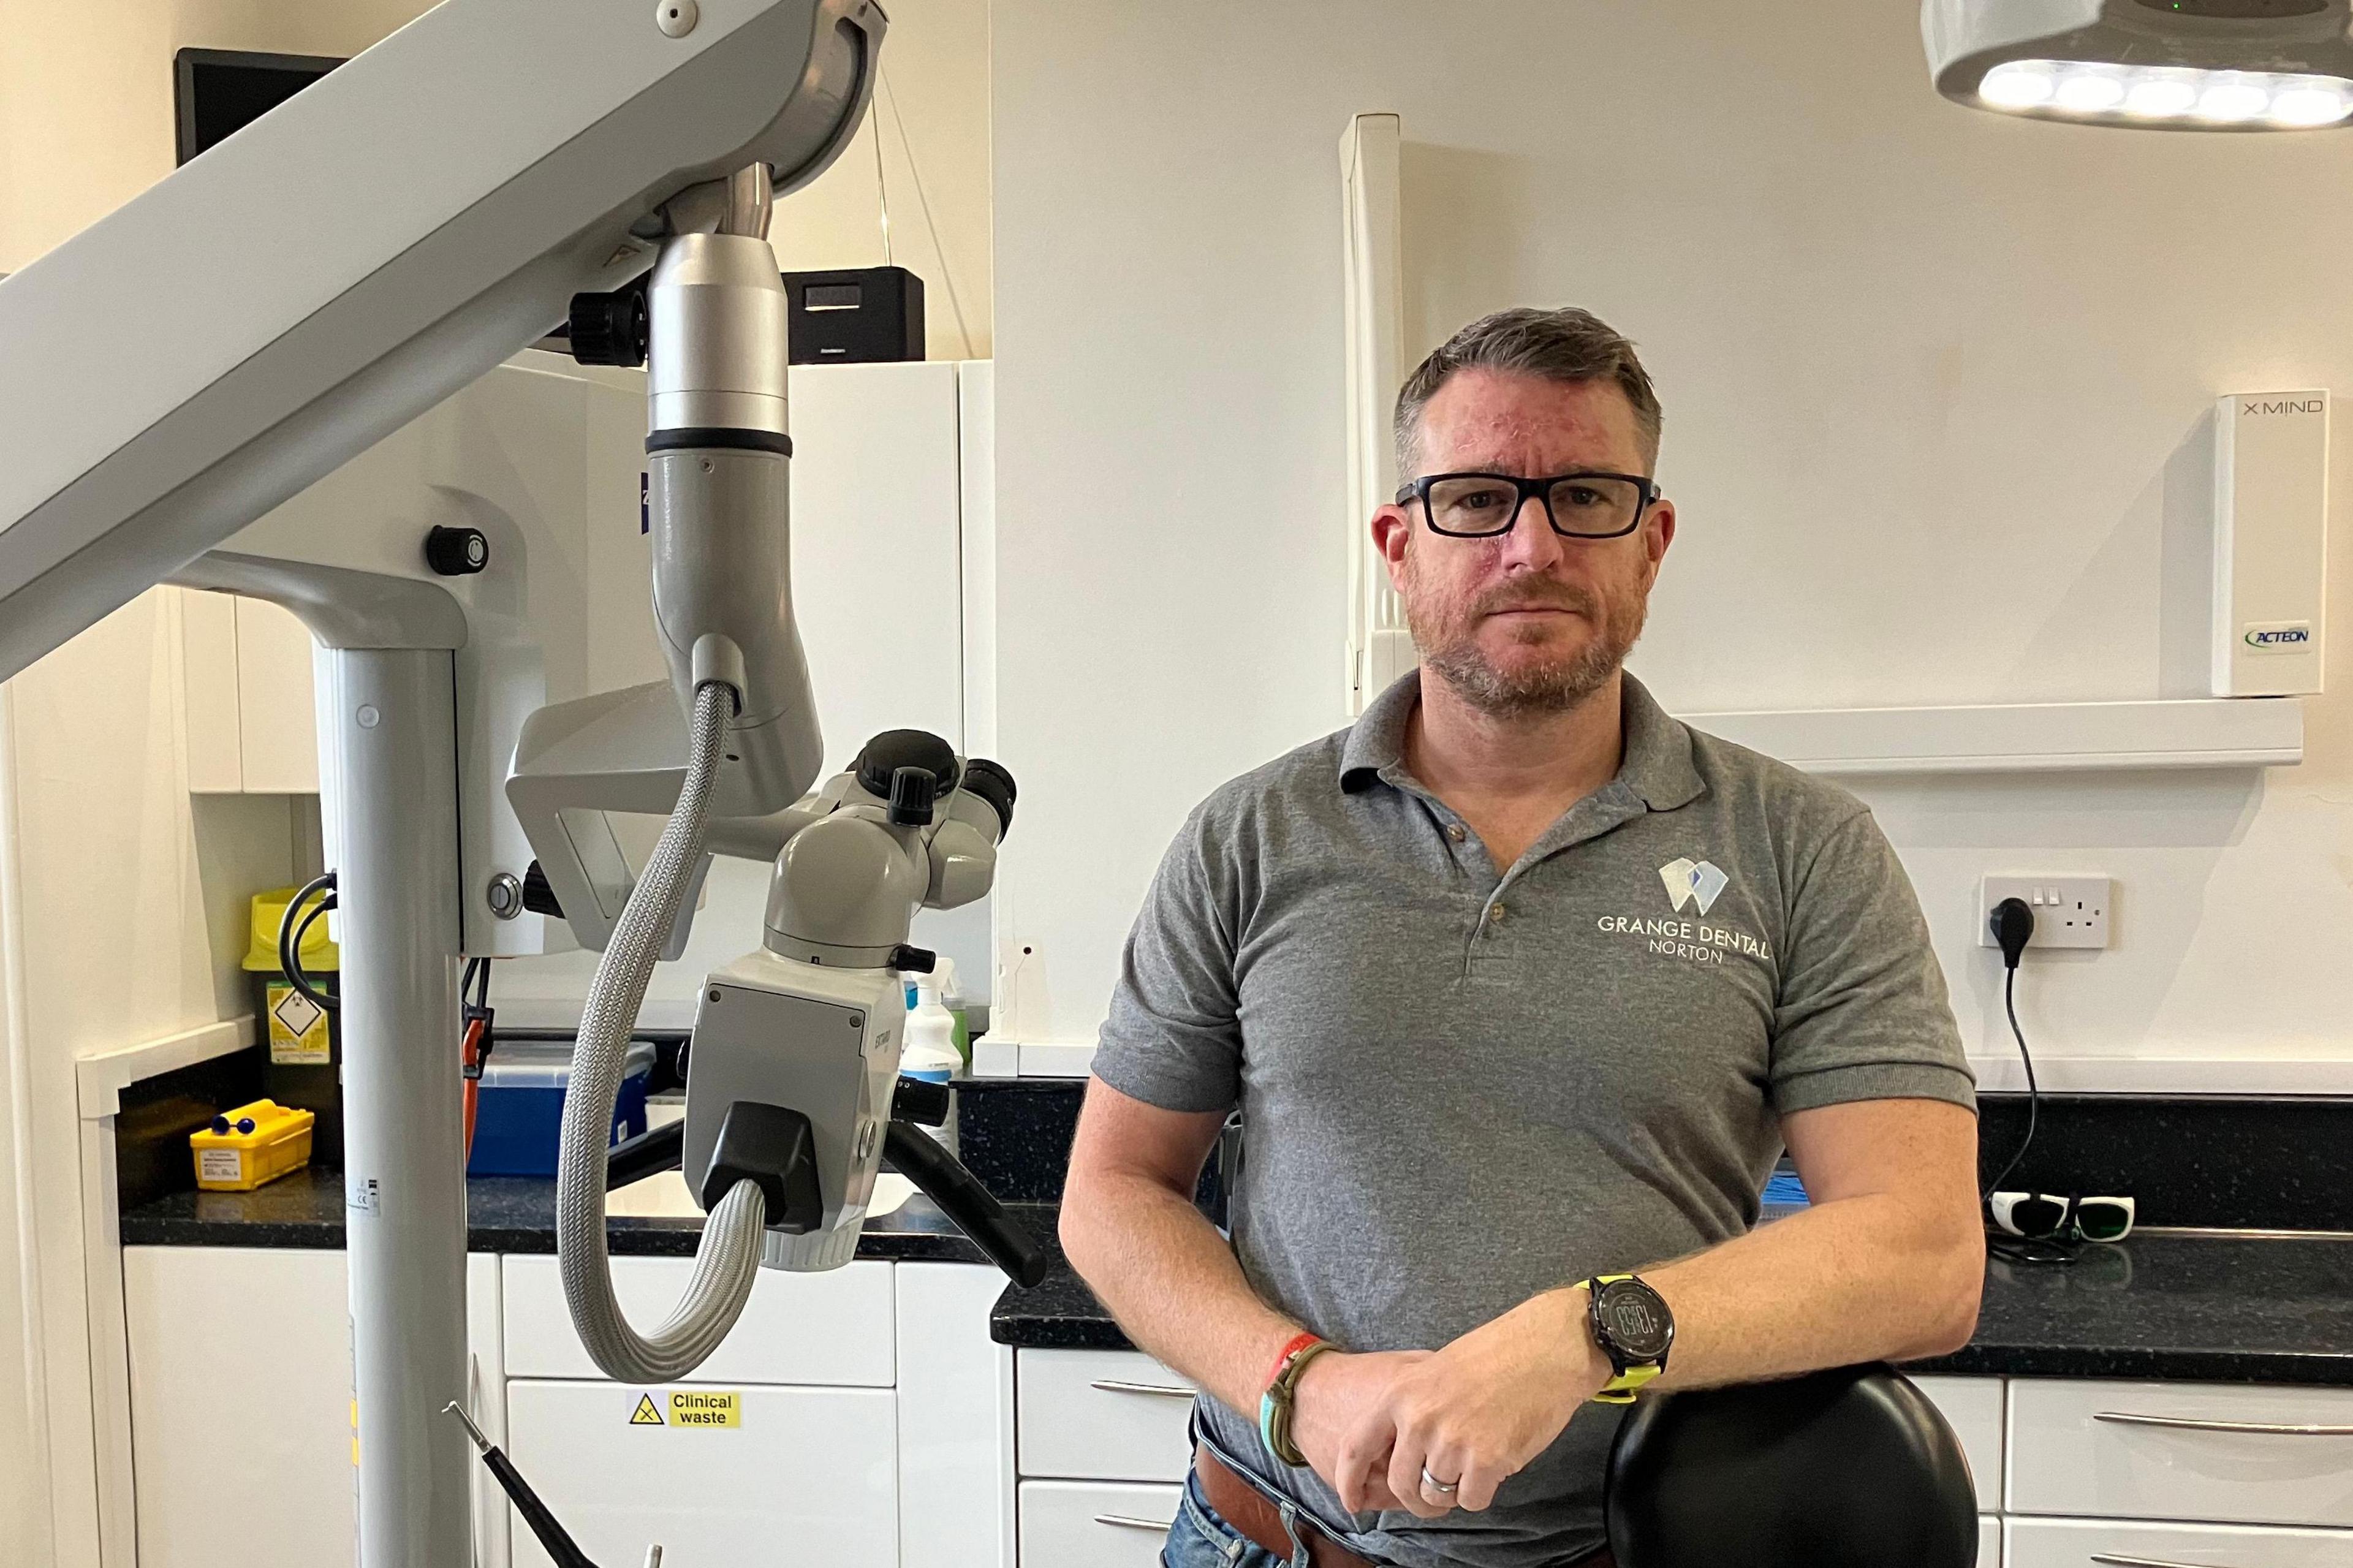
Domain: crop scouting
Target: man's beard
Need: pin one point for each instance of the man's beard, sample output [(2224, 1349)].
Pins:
[(1451, 651)]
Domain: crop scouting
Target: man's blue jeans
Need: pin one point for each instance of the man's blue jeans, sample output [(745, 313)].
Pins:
[(1199, 1539)]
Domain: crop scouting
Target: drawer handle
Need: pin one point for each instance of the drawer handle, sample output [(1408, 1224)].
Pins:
[(1120, 1385), (2116, 1560), (1126, 1521), (2186, 1424)]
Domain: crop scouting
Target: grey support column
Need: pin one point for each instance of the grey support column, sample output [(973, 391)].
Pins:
[(404, 1157), (391, 727)]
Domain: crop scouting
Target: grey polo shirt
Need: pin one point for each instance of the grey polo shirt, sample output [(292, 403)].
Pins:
[(1463, 1084)]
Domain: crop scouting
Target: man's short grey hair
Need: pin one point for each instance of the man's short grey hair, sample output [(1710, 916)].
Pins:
[(1566, 345)]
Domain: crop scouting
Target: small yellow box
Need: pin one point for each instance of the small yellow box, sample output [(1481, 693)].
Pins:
[(253, 1144)]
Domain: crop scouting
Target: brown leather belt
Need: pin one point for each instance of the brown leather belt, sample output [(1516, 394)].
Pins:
[(1258, 1522)]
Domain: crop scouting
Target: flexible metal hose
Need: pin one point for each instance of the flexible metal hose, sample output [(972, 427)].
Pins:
[(728, 1259)]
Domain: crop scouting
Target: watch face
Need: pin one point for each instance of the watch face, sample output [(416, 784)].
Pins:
[(1635, 1318)]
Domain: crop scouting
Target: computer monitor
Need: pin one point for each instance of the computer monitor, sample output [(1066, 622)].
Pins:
[(217, 92)]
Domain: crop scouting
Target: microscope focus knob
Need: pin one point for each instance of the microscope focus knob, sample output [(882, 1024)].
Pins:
[(913, 793), (611, 328), (994, 784), (884, 756), (539, 894), (456, 552)]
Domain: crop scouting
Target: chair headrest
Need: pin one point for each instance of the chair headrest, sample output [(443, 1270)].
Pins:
[(1847, 1468)]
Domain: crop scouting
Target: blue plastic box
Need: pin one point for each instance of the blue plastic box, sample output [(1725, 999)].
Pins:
[(519, 1119)]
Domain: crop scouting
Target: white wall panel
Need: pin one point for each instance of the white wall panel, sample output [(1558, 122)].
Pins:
[(1938, 390)]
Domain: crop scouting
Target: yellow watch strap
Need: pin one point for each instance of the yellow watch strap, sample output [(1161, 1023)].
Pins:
[(1622, 1389)]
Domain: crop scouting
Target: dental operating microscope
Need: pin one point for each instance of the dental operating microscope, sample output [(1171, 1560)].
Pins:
[(308, 288)]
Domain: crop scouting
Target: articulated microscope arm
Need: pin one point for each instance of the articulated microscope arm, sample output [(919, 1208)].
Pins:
[(350, 259)]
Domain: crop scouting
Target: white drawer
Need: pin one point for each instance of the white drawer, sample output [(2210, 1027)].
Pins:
[(803, 1475), (1989, 1542), (1094, 1524), (2247, 1460), (1114, 1416), (833, 1328), (1972, 1406), (2129, 1543)]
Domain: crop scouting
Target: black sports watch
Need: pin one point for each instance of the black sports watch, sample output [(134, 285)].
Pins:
[(1634, 1329)]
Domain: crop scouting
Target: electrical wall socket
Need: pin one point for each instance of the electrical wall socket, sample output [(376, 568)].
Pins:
[(2069, 911)]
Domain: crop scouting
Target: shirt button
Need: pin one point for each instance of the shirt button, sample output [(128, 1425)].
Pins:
[(1454, 831), (1495, 913)]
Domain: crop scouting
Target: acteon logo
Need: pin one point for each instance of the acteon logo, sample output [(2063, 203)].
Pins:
[(2274, 638)]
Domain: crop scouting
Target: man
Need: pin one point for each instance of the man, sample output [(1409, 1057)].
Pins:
[(1518, 983)]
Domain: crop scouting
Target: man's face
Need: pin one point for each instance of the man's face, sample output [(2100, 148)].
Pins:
[(1528, 621)]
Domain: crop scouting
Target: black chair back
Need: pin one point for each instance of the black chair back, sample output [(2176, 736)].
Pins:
[(1847, 1468)]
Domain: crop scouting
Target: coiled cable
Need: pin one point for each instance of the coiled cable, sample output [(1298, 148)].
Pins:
[(728, 1259), (293, 926)]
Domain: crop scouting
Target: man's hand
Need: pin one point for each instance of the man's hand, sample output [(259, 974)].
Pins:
[(1334, 1398), (1476, 1412)]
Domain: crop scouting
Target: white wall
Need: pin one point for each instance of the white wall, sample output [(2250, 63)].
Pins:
[(1936, 382)]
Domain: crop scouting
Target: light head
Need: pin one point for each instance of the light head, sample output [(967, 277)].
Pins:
[(2164, 65)]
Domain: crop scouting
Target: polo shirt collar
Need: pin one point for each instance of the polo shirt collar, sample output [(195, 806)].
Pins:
[(1656, 769)]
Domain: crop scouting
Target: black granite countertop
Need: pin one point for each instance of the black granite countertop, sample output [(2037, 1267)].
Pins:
[(2192, 1308), (506, 1214)]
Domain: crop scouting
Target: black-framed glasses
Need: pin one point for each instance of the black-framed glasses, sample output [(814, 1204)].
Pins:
[(1578, 506)]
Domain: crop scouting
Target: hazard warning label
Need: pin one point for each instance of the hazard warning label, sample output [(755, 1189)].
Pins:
[(690, 1407), (298, 1029)]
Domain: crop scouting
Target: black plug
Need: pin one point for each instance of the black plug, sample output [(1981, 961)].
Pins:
[(2013, 925)]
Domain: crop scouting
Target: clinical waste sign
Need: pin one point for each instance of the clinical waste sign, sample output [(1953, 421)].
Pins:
[(689, 1407)]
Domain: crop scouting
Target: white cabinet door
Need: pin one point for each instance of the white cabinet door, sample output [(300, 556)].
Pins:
[(2125, 1543), (248, 697), (1989, 1542), (277, 733), (1093, 1524), (486, 1400), (803, 1475), (1102, 1415), (1972, 1407), (833, 1328), (2262, 1455), (208, 692), (956, 1419), (241, 1404)]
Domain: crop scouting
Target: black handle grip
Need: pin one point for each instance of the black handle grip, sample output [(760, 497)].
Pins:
[(551, 1535), (921, 1101), (943, 1178), (651, 1153)]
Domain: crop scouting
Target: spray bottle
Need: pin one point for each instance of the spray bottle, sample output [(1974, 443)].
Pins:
[(931, 1052)]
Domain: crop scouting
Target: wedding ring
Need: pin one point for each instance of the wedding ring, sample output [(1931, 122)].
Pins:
[(1430, 1483)]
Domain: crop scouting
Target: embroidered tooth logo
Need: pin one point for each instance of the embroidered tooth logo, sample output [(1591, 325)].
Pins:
[(1688, 882)]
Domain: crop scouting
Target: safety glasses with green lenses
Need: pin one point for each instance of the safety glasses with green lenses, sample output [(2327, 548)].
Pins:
[(2039, 1216)]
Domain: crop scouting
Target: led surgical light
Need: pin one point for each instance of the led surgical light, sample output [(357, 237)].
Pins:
[(2311, 105), (2160, 96), (2089, 92), (2187, 64), (2022, 84), (2232, 101), (2071, 89)]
